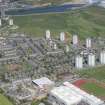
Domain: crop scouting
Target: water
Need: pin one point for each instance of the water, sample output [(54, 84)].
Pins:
[(37, 10)]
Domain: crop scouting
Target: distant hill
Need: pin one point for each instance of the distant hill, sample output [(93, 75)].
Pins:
[(85, 22)]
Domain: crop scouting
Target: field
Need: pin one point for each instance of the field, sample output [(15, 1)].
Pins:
[(96, 73), (85, 22), (92, 87), (4, 100)]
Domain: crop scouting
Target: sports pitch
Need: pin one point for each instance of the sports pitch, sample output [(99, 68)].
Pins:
[(4, 100), (92, 87)]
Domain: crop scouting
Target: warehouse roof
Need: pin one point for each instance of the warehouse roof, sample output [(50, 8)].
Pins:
[(66, 95), (92, 100), (70, 95)]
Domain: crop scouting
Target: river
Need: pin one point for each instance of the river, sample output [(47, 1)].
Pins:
[(40, 10)]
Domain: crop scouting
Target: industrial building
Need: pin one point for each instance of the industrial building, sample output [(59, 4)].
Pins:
[(69, 94), (64, 96)]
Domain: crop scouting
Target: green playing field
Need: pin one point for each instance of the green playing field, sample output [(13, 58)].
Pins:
[(96, 73), (94, 88), (4, 100)]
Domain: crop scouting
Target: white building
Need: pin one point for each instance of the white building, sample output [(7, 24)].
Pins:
[(91, 60), (67, 48), (75, 40), (64, 96), (43, 83), (102, 57), (48, 34), (68, 94), (79, 62), (55, 46), (62, 36), (11, 22), (0, 22), (92, 1), (88, 98), (88, 43)]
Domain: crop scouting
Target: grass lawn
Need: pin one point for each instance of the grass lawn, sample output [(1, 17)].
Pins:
[(97, 73), (4, 100), (94, 89), (86, 22), (35, 102)]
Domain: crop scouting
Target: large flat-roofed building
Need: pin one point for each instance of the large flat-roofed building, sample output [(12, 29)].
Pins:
[(88, 98), (64, 96), (68, 94)]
